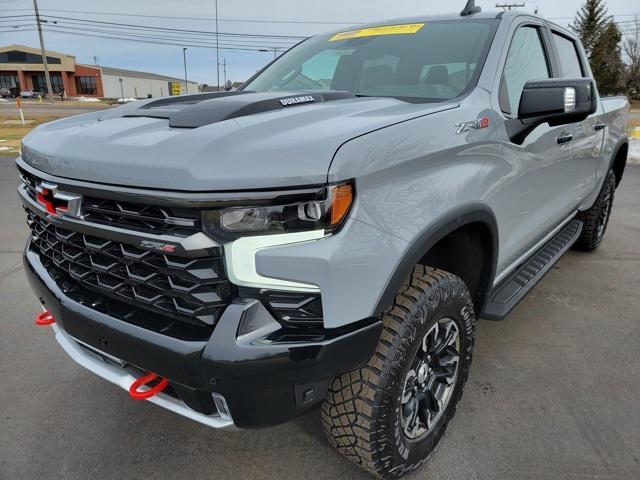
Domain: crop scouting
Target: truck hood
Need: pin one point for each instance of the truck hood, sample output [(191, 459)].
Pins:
[(214, 142)]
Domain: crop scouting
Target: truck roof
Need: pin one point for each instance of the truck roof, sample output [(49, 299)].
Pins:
[(490, 14)]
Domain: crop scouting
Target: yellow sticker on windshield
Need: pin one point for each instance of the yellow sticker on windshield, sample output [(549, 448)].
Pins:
[(407, 29)]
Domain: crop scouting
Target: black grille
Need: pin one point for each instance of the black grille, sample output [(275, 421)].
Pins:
[(132, 284), (136, 216), (141, 217)]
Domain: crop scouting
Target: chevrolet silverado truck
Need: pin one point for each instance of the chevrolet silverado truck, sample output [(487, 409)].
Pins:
[(327, 235)]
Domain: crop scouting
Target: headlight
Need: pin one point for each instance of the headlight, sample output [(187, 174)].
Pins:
[(328, 213)]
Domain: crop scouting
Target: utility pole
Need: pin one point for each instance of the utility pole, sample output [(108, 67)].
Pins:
[(224, 70), (184, 57), (44, 53), (217, 48), (509, 6)]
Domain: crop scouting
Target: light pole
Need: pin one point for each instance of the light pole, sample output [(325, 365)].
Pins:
[(43, 52), (121, 89), (184, 57)]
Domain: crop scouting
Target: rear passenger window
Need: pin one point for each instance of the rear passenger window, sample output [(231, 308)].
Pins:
[(526, 61), (568, 56)]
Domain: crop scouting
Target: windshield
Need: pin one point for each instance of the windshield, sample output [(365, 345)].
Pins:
[(431, 61)]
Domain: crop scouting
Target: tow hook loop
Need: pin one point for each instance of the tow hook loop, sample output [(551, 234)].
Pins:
[(137, 394), (45, 318)]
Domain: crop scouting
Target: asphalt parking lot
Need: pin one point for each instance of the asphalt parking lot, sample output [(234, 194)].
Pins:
[(553, 393)]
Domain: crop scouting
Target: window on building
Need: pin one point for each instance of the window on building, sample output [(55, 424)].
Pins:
[(568, 56), (18, 56), (8, 80), (40, 83), (86, 85)]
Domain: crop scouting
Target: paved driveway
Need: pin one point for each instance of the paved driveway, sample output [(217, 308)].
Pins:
[(553, 393)]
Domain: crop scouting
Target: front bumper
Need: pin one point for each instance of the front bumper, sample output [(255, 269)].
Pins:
[(247, 374)]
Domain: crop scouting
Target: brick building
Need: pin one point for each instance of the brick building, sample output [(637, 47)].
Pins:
[(21, 67)]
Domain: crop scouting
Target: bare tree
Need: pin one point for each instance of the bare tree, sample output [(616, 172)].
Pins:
[(631, 54)]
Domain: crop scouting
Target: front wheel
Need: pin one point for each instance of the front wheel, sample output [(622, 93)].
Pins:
[(389, 415)]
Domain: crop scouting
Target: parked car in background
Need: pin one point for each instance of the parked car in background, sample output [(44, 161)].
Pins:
[(32, 94)]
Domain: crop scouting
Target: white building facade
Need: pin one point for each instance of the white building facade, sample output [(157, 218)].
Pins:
[(119, 83)]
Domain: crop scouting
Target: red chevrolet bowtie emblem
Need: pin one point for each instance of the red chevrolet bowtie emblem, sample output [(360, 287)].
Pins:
[(47, 198), (57, 203)]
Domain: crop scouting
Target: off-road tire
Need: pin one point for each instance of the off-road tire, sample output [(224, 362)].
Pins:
[(593, 230), (361, 413)]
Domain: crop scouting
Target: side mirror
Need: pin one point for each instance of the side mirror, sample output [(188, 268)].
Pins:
[(557, 101)]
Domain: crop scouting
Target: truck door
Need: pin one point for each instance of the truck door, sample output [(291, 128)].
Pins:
[(586, 137), (540, 177)]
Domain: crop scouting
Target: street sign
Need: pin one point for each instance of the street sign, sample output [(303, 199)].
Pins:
[(175, 88)]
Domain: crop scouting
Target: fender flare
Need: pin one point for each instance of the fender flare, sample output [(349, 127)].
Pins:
[(436, 231), (622, 141)]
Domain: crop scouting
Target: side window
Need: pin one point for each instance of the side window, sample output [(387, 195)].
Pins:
[(526, 61), (568, 56)]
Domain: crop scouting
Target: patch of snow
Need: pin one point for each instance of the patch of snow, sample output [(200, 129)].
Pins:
[(4, 149), (634, 151), (87, 99), (3, 100), (126, 100)]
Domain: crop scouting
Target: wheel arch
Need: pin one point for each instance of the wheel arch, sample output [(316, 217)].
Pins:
[(619, 160), (439, 245)]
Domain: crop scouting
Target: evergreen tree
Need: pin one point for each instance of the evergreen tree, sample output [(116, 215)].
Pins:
[(601, 38), (606, 60), (591, 20)]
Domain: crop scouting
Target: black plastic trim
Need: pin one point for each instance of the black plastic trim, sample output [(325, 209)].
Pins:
[(616, 150), (512, 290), (474, 213), (257, 375)]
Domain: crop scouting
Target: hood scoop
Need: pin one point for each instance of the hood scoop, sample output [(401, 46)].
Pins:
[(193, 111)]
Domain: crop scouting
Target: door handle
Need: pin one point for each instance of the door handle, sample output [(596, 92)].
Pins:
[(564, 138), (599, 126)]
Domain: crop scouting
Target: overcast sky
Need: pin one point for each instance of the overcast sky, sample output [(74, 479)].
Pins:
[(167, 59)]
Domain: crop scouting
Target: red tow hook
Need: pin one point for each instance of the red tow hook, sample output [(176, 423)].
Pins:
[(137, 394), (45, 318)]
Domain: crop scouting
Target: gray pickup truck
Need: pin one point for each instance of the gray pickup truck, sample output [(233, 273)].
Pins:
[(327, 235)]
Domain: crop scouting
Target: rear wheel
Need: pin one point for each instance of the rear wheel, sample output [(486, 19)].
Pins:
[(597, 217), (389, 415)]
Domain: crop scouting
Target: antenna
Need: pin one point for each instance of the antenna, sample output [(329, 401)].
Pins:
[(470, 8)]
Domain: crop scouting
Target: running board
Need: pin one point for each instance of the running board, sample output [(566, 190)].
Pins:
[(506, 295)]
